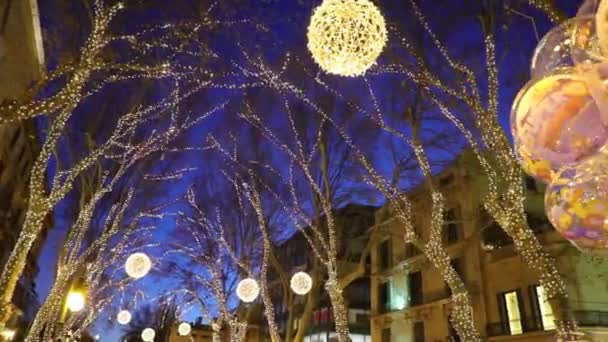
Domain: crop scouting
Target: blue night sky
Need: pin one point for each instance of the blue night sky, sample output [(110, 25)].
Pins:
[(65, 24)]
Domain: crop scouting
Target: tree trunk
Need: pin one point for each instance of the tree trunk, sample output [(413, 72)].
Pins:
[(339, 308)]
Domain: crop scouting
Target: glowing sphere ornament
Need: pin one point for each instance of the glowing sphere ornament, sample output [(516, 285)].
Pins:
[(247, 290), (301, 283), (556, 122), (577, 204), (123, 317), (345, 37), (138, 265), (184, 329), (75, 301), (148, 335)]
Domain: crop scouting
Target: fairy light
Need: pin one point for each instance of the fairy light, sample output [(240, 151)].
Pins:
[(148, 334), (123, 317), (138, 265), (184, 329), (301, 283), (248, 290), (345, 37)]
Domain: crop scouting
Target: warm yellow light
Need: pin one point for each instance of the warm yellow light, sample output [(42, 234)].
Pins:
[(8, 334), (248, 290), (75, 301), (184, 329), (148, 335), (301, 283), (123, 317), (345, 37), (138, 265)]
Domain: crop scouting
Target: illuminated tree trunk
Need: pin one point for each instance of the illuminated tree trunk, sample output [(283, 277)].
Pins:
[(338, 306)]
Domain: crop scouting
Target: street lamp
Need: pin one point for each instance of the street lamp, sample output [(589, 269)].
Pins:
[(75, 301)]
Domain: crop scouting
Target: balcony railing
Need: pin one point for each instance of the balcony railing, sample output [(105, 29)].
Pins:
[(528, 324), (592, 318)]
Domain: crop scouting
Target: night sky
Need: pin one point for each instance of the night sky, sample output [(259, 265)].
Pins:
[(65, 26)]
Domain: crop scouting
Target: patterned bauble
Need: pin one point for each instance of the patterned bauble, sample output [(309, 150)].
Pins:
[(184, 329), (248, 290), (148, 335), (138, 265), (345, 37), (577, 204), (123, 317), (556, 122), (301, 283)]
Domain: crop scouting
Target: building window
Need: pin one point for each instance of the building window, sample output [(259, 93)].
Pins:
[(384, 253), (510, 311), (530, 184), (386, 334), (411, 251), (451, 227), (419, 331), (542, 308), (384, 300), (415, 287)]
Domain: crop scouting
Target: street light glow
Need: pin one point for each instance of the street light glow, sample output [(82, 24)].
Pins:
[(75, 301)]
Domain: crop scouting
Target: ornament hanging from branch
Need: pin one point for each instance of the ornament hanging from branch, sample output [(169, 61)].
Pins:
[(123, 317), (184, 329), (301, 283), (247, 290), (138, 265), (345, 37), (148, 335)]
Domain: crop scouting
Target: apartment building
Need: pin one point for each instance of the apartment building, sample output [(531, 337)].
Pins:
[(410, 301), (21, 63)]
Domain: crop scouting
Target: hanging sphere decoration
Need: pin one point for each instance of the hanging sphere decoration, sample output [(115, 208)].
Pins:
[(138, 265), (148, 335), (577, 204), (248, 290), (75, 301), (345, 37), (184, 329), (123, 317), (301, 283)]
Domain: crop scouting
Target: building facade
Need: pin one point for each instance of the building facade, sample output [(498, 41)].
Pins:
[(411, 302), (21, 63)]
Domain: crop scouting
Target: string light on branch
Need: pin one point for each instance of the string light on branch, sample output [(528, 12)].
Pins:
[(248, 290), (345, 37), (301, 283), (123, 317), (138, 265), (184, 329), (148, 335)]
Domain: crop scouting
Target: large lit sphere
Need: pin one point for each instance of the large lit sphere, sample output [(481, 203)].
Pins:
[(345, 37), (184, 329), (556, 122), (301, 283), (123, 317), (248, 290), (148, 335), (572, 43), (577, 204), (138, 265), (75, 301)]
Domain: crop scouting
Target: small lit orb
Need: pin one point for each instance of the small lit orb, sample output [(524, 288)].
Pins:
[(123, 317), (75, 301), (556, 122), (301, 283), (345, 37), (138, 265), (184, 329), (248, 290), (148, 335), (576, 203)]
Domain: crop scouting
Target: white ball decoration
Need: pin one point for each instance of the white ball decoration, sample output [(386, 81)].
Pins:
[(75, 301), (301, 283), (248, 290), (345, 37), (138, 265), (123, 317), (148, 335), (184, 329)]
